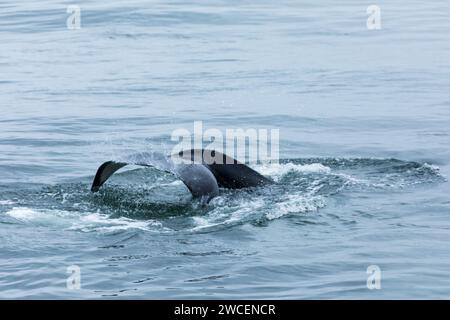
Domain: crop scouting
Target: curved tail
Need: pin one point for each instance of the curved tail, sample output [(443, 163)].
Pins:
[(202, 178), (105, 171)]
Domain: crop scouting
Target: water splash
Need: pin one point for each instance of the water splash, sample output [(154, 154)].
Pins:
[(151, 200)]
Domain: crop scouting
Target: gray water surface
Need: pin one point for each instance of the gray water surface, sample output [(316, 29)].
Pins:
[(364, 141)]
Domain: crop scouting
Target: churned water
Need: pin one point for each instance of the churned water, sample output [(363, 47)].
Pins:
[(364, 147)]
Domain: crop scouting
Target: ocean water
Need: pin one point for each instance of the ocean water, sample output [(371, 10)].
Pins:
[(364, 147)]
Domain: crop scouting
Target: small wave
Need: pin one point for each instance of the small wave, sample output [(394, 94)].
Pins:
[(277, 170), (295, 204), (7, 202), (23, 214), (227, 212), (101, 222), (361, 172), (73, 220)]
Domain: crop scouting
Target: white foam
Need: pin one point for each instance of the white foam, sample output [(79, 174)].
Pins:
[(73, 220), (295, 204), (173, 183), (226, 213), (23, 214), (96, 221), (200, 222), (6, 202), (279, 169), (350, 180), (432, 167)]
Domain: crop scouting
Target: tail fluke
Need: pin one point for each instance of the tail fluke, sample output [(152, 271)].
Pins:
[(202, 178), (229, 172), (197, 178), (105, 171)]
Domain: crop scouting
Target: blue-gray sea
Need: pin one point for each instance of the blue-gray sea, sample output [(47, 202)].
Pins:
[(364, 145)]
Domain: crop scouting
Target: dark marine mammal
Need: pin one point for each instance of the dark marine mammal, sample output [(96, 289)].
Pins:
[(202, 171)]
